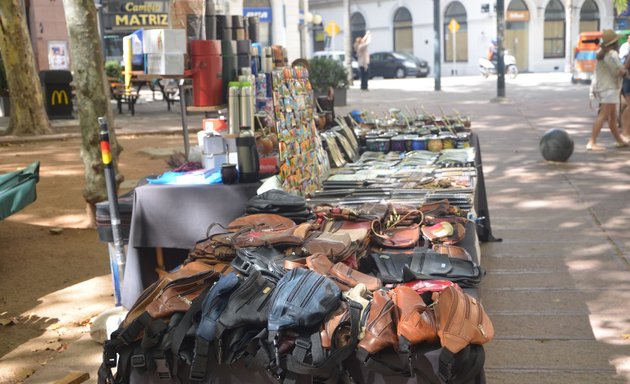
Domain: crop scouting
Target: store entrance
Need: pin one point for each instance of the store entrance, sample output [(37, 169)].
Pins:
[(517, 42)]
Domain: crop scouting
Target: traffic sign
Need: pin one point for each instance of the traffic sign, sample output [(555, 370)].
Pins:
[(332, 29), (453, 26)]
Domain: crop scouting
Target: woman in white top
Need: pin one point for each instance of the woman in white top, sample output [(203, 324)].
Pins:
[(606, 88)]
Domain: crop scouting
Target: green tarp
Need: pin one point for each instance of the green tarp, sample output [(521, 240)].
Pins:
[(17, 189)]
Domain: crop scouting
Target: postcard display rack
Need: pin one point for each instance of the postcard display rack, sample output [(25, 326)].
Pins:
[(304, 163)]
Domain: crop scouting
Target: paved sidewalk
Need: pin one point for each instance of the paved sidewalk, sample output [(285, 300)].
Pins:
[(558, 285)]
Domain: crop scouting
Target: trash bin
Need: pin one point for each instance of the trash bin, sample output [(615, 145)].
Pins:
[(57, 93)]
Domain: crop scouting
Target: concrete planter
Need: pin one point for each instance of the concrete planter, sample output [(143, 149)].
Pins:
[(341, 97)]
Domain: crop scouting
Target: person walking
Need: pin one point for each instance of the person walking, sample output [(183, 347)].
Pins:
[(605, 88), (363, 57)]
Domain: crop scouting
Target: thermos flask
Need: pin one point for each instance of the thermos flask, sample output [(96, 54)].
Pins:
[(247, 104), (248, 165), (233, 108)]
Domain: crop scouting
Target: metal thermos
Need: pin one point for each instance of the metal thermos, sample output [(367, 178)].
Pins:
[(278, 56), (243, 57), (210, 21), (225, 23), (254, 29), (248, 165), (234, 110), (206, 63), (228, 49), (267, 60), (247, 105), (238, 29), (246, 76), (255, 54)]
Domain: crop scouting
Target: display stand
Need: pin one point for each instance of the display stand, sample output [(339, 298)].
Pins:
[(303, 162)]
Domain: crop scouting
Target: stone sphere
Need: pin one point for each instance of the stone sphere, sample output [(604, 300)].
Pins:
[(556, 145)]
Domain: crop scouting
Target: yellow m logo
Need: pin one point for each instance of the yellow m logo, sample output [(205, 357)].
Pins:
[(61, 96)]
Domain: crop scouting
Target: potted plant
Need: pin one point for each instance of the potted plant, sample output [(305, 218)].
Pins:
[(325, 73), (113, 70), (5, 104)]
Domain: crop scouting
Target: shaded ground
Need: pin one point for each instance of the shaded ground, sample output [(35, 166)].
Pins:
[(34, 262)]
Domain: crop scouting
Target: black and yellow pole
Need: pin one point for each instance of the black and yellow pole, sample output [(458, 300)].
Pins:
[(117, 255)]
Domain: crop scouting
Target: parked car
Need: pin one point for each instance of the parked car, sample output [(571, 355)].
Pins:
[(391, 64), (423, 68), (341, 57)]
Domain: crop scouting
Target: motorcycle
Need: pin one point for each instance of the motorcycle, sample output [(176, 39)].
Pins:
[(487, 67)]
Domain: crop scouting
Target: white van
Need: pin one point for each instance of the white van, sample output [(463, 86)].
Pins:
[(339, 56)]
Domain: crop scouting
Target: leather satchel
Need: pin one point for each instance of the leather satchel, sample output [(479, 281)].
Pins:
[(396, 237), (337, 246), (214, 248), (351, 277), (261, 221), (177, 296), (453, 251), (292, 236), (333, 333), (461, 319), (444, 232), (380, 329), (416, 323)]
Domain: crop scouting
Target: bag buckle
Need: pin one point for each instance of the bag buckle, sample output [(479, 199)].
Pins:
[(138, 361)]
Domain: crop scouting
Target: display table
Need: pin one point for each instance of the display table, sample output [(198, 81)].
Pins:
[(175, 216)]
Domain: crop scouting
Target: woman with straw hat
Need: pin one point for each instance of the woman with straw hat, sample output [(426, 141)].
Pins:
[(606, 88)]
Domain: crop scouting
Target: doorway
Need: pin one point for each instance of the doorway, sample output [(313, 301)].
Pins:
[(516, 39)]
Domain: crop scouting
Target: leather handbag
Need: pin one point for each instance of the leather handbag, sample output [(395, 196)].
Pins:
[(416, 322), (177, 296), (453, 251), (214, 248), (380, 329), (332, 334), (461, 319), (351, 277), (292, 236), (261, 221), (396, 237), (338, 246), (444, 232), (358, 231)]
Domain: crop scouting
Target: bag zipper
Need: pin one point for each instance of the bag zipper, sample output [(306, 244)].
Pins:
[(480, 320), (383, 310), (298, 286), (320, 281)]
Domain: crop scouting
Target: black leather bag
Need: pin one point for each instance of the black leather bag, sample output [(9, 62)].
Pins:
[(397, 266)]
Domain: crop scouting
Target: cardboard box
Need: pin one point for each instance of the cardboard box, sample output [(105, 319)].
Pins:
[(164, 64), (168, 41)]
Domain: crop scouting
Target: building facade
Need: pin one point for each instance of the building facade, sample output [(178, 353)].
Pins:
[(541, 34)]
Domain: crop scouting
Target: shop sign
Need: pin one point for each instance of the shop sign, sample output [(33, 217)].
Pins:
[(129, 14), (264, 14), (517, 16), (59, 97)]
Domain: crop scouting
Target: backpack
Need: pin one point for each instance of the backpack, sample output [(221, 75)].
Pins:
[(311, 328), (135, 344)]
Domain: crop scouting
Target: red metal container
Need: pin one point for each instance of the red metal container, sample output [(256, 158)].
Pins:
[(206, 71)]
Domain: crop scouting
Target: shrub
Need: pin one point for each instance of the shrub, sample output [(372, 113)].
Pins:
[(324, 73)]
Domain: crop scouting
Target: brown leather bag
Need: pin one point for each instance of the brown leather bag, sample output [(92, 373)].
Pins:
[(416, 323), (453, 251), (380, 329), (292, 236), (351, 277), (337, 246), (177, 296), (445, 232), (461, 319), (358, 231), (331, 323), (215, 248), (261, 221), (151, 292), (396, 237)]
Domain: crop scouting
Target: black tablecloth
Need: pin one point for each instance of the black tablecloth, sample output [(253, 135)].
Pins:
[(175, 216), (484, 228)]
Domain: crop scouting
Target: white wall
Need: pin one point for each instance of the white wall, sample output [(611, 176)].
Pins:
[(481, 28)]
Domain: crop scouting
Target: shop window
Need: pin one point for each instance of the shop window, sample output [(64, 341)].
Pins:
[(357, 25), (456, 10), (554, 30), (589, 17), (403, 31)]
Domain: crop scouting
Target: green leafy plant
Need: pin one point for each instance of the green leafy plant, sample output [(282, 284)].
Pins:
[(113, 69), (324, 73)]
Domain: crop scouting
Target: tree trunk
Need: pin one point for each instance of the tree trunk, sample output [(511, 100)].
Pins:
[(92, 97), (28, 116)]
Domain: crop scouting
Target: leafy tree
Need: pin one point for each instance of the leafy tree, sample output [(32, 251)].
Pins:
[(90, 83)]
